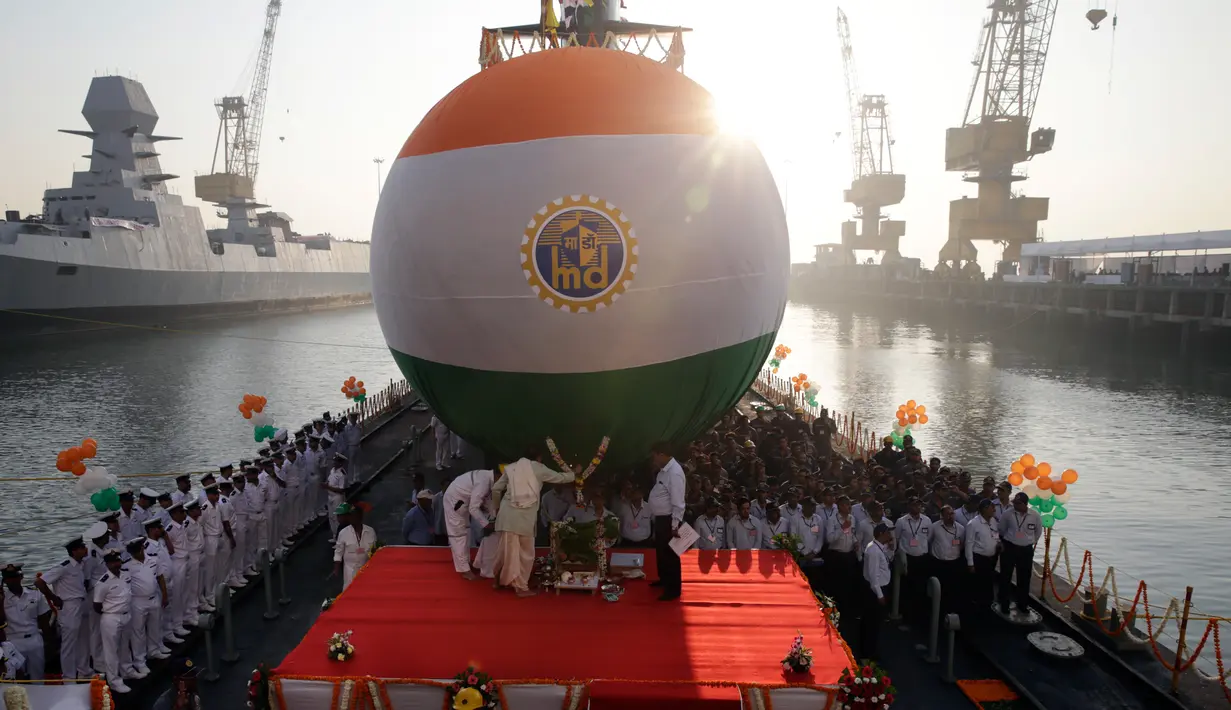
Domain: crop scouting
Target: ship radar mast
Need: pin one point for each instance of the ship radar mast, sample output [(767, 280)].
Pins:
[(584, 23), (240, 121)]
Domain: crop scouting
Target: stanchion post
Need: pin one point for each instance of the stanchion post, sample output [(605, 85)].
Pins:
[(899, 568), (1179, 647), (1046, 564), (934, 625), (952, 623), (271, 611), (210, 673), (280, 558), (223, 598)]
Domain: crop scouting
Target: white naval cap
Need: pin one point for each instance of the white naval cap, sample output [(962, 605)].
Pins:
[(129, 544), (96, 530), (281, 435), (149, 493), (326, 437)]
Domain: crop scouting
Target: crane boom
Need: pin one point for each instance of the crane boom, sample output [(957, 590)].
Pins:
[(1015, 40), (852, 93), (260, 87)]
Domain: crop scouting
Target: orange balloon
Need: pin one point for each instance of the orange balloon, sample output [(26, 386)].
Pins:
[(363, 391), (1069, 476), (258, 408), (360, 383), (1044, 483), (89, 452), (247, 414), (344, 390), (921, 409), (1044, 469), (78, 468), (64, 465), (910, 404), (90, 441), (75, 453), (1015, 479), (1017, 467), (923, 419), (1027, 460), (1059, 487), (902, 422), (1031, 473), (913, 419)]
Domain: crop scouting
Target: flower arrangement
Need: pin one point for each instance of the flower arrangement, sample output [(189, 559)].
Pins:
[(340, 648), (580, 480), (258, 688), (328, 603), (15, 698), (789, 542), (545, 571), (867, 687), (799, 660), (473, 689), (829, 607)]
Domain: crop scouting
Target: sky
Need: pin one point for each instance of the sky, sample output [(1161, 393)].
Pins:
[(349, 82)]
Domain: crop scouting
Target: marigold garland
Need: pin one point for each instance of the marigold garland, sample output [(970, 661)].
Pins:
[(580, 480)]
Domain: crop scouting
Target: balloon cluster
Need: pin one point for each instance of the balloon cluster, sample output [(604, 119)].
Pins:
[(1047, 495), (354, 390), (93, 481), (780, 353), (910, 416), (801, 384), (253, 409)]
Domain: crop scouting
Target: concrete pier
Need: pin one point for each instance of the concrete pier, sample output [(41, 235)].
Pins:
[(1176, 314)]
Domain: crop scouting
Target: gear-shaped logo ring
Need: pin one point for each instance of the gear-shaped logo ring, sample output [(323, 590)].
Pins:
[(579, 253)]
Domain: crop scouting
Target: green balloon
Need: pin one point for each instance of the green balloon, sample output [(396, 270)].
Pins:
[(1036, 501), (97, 500), (111, 497), (1060, 513), (1047, 506), (1048, 520)]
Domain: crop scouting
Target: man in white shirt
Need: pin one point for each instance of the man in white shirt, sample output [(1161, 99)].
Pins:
[(841, 559), (775, 524), (875, 511), (791, 509), (112, 601), (131, 516), (1020, 529), (757, 506), (158, 556), (174, 616), (982, 546), (64, 587), (877, 577), (258, 533), (441, 432), (712, 528), (636, 523), (354, 543), (335, 484), (464, 503), (183, 489), (26, 611), (945, 547), (746, 531), (912, 533), (148, 597), (667, 507), (810, 528)]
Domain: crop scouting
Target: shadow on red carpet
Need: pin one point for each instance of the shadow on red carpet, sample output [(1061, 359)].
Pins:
[(414, 617)]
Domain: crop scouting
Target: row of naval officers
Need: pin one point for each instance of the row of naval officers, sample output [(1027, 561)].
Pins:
[(137, 579)]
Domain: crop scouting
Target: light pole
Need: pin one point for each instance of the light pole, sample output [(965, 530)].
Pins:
[(378, 162)]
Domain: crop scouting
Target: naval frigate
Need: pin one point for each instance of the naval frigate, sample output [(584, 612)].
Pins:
[(118, 247)]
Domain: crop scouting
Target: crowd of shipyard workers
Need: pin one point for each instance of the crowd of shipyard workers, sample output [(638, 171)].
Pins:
[(752, 478), (134, 583)]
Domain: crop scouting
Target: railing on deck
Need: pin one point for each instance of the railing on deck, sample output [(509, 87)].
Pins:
[(851, 436), (1101, 604)]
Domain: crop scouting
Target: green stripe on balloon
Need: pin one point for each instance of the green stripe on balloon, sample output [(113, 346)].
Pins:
[(507, 412)]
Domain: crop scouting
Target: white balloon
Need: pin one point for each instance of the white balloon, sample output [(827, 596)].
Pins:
[(1030, 489), (260, 419), (898, 429), (1046, 494), (1063, 497), (94, 480)]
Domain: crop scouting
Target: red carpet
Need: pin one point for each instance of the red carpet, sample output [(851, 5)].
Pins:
[(413, 617)]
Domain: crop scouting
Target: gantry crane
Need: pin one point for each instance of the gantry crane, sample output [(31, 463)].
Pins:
[(239, 128), (874, 185), (995, 133)]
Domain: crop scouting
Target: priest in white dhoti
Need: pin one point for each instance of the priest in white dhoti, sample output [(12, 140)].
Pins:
[(354, 544), (516, 497), (463, 507)]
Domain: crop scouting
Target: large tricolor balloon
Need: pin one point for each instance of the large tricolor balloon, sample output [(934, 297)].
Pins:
[(566, 246)]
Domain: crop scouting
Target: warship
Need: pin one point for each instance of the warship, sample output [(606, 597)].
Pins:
[(118, 247)]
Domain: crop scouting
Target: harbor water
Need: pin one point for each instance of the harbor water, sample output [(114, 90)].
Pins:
[(1141, 432)]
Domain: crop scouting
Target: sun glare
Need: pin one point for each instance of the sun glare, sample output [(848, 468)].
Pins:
[(733, 116)]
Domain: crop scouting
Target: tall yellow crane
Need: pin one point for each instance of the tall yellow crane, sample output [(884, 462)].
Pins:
[(995, 134), (874, 185)]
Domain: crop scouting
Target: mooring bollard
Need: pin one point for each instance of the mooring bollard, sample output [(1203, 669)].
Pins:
[(899, 569), (953, 623), (934, 624), (416, 455), (206, 622), (223, 610), (271, 611), (280, 559)]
